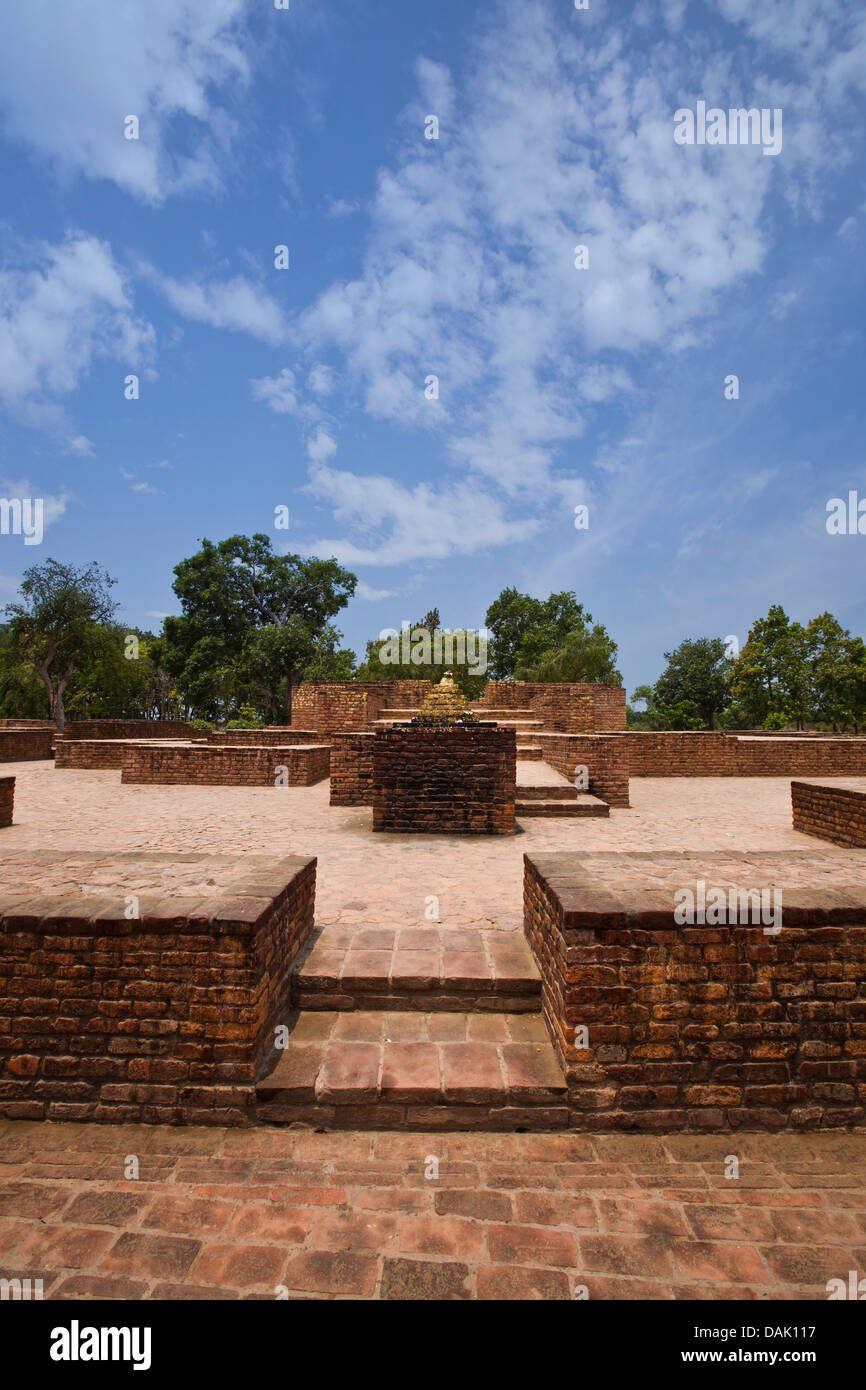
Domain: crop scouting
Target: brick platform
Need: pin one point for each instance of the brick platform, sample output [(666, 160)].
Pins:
[(417, 1071), (100, 754), (7, 800), (352, 769), (207, 765), (167, 1017), (445, 781), (706, 1027), (417, 968), (26, 745), (836, 812), (134, 728), (710, 754), (273, 734)]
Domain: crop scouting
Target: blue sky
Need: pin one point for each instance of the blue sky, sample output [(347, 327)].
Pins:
[(409, 256)]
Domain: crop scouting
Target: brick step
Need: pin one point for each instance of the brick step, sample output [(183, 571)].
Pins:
[(427, 969), (546, 791), (492, 712), (530, 753), (416, 1071), (584, 804)]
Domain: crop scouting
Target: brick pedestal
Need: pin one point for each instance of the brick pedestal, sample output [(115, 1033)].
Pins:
[(452, 780)]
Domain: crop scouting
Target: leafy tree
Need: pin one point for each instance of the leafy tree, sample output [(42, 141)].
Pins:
[(62, 616), (524, 629), (697, 673), (770, 675), (375, 669), (835, 672), (252, 622), (585, 654)]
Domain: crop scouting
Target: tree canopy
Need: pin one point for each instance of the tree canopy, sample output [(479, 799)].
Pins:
[(550, 639)]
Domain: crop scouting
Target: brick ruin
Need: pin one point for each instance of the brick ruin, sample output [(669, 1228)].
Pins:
[(7, 800), (293, 765), (665, 1026), (168, 1017), (444, 781), (836, 812)]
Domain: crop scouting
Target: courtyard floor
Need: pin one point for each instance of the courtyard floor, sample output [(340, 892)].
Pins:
[(119, 1211)]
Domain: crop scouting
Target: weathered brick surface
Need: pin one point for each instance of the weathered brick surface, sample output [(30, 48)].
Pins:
[(445, 781), (26, 745), (352, 769), (166, 1018), (712, 754), (211, 765), (563, 707), (133, 728), (605, 757), (834, 812), (7, 800), (272, 735), (704, 1026), (91, 754), (332, 707)]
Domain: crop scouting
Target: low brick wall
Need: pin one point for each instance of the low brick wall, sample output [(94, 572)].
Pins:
[(274, 735), (457, 781), (96, 754), (332, 707), (566, 707), (352, 769), (134, 728), (604, 757), (7, 800), (715, 754), (166, 1019), (205, 765), (26, 745), (701, 1027), (836, 813)]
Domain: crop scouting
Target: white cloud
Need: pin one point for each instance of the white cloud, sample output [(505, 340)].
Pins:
[(321, 447), (365, 591), (163, 463), (147, 487), (80, 445), (53, 504), (56, 319), (235, 304), (278, 392), (397, 524), (71, 73)]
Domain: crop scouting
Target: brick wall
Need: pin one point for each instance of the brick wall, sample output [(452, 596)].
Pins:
[(28, 724), (836, 813), (352, 769), (605, 757), (579, 708), (168, 1019), (267, 737), (445, 781), (713, 754), (7, 800), (699, 1027), (90, 754), (133, 728), (231, 766), (26, 745), (344, 706)]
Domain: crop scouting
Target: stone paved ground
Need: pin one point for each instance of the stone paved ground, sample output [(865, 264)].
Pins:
[(264, 1213), (241, 1213)]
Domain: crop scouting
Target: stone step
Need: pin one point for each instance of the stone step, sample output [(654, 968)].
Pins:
[(424, 1071), (417, 968), (546, 791), (584, 804), (529, 752), (492, 712)]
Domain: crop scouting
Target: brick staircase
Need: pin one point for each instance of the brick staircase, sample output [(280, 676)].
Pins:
[(542, 791), (416, 1028)]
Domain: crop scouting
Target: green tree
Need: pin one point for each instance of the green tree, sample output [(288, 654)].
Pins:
[(523, 629), (698, 673), (374, 668), (251, 622), (61, 617), (770, 675), (585, 654)]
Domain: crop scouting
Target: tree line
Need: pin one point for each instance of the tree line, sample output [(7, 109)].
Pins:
[(254, 624)]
